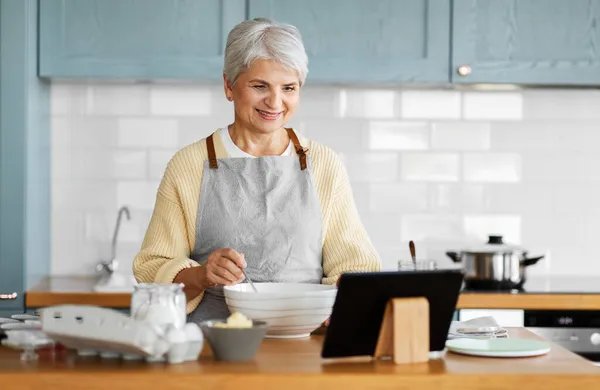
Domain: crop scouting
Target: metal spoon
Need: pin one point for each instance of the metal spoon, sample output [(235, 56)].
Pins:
[(411, 245), (249, 281)]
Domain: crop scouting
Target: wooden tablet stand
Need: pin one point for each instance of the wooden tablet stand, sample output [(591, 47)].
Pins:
[(404, 332)]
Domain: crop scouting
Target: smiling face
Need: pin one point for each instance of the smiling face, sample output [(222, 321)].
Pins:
[(265, 96)]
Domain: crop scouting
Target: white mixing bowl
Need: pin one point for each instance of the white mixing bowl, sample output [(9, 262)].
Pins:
[(291, 310)]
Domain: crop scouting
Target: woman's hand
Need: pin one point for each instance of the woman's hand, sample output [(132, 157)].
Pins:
[(223, 267)]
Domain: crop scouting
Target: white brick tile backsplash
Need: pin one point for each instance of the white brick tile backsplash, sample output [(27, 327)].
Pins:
[(561, 104), (138, 194), (68, 99), (158, 133), (522, 136), (61, 132), (93, 132), (455, 198), (578, 199), (180, 100), (129, 164), (398, 135), (383, 228), (83, 195), (493, 105), (461, 135), (109, 99), (479, 227), (576, 135), (492, 167), (318, 102), (381, 167), (372, 104), (192, 130), (530, 198), (441, 167), (431, 104), (431, 227), (61, 164), (430, 167), (158, 163), (342, 135), (398, 197)]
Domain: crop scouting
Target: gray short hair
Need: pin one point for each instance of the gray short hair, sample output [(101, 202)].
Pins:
[(262, 38)]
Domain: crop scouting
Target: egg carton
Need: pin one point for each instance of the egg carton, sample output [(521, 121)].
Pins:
[(93, 330)]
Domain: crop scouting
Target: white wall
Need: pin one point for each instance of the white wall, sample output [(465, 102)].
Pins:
[(438, 167)]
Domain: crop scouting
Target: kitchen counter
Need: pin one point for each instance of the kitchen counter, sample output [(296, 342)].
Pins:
[(58, 290), (296, 364), (544, 294)]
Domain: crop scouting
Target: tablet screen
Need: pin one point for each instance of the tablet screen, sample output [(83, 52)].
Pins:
[(361, 300)]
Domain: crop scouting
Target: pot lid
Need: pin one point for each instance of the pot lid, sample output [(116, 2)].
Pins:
[(495, 244)]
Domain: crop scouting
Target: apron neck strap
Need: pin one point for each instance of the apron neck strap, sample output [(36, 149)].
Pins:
[(301, 151), (212, 156)]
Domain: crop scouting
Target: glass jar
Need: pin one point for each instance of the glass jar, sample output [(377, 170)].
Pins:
[(419, 265), (162, 304)]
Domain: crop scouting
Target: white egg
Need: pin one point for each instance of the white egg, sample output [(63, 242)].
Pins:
[(176, 336), (193, 332)]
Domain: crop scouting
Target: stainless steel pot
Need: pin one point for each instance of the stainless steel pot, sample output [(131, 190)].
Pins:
[(495, 265)]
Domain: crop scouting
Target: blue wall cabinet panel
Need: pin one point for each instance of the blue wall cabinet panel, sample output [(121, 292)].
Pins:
[(24, 156), (368, 41), (526, 41), (139, 39)]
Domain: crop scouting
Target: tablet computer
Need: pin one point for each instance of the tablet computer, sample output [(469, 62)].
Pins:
[(361, 300)]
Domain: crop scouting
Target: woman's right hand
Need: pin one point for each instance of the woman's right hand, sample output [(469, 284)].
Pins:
[(224, 267)]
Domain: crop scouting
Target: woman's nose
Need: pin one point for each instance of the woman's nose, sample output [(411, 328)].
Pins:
[(273, 100)]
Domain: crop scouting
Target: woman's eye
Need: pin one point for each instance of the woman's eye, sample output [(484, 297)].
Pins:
[(289, 89)]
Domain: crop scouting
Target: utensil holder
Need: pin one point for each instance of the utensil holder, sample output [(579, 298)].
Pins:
[(404, 332)]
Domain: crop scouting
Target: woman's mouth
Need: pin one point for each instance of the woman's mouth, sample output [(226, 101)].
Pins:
[(267, 115)]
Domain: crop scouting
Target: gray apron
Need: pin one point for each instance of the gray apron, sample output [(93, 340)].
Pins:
[(266, 208)]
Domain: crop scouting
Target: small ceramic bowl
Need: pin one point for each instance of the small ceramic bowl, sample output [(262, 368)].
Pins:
[(234, 344)]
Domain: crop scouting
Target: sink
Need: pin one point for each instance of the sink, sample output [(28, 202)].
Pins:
[(116, 283)]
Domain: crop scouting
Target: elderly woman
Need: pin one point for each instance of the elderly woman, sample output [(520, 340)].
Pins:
[(253, 195)]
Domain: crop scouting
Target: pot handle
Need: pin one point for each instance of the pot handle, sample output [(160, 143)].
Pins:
[(532, 261), (454, 256)]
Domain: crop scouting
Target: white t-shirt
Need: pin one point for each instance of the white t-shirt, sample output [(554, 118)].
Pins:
[(233, 150)]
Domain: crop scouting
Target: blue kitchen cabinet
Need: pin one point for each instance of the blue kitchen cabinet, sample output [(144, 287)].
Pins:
[(526, 42), (136, 39), (24, 157), (368, 41)]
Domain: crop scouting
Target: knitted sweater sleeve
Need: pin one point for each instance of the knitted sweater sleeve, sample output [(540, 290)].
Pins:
[(347, 246)]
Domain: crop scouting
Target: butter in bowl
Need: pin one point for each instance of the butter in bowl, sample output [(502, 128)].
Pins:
[(236, 338)]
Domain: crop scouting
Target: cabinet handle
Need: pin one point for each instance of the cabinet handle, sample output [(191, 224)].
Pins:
[(8, 297), (464, 70)]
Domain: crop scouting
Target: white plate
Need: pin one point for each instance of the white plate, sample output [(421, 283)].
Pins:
[(498, 347)]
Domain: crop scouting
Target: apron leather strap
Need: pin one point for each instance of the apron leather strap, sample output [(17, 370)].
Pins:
[(212, 156), (301, 151)]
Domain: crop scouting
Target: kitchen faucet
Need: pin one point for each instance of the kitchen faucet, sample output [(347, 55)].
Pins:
[(112, 265)]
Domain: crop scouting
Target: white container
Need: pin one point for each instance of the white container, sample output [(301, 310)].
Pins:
[(161, 304)]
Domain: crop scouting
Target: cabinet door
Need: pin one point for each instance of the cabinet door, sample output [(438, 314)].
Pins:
[(12, 156), (140, 39), (368, 41), (526, 41)]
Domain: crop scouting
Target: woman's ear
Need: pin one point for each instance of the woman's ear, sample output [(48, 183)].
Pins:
[(228, 89)]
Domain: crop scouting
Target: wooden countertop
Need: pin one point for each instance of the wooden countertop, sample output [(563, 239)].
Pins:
[(79, 290), (296, 364)]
